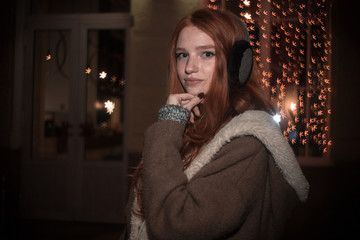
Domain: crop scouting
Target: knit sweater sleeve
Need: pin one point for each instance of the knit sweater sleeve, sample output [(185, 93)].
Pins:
[(211, 204)]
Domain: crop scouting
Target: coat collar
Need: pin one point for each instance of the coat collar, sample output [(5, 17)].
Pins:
[(262, 126)]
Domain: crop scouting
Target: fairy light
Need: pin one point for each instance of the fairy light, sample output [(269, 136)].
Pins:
[(122, 82), (103, 75), (88, 70), (247, 16), (48, 55), (113, 79), (293, 106), (109, 105), (293, 38), (277, 118)]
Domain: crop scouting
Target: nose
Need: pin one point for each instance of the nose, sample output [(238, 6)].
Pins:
[(192, 65)]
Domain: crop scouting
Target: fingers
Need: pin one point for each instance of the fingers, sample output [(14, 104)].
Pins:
[(196, 111), (192, 103), (179, 99), (186, 100), (194, 114)]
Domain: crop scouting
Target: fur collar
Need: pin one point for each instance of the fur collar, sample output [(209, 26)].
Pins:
[(262, 126)]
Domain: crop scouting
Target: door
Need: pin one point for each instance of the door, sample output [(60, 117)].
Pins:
[(75, 157)]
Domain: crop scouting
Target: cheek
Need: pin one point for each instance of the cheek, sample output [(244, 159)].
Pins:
[(210, 69), (179, 68), (179, 73)]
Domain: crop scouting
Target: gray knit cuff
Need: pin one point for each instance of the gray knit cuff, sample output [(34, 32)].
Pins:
[(174, 113)]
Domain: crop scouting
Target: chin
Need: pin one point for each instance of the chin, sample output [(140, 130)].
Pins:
[(194, 91)]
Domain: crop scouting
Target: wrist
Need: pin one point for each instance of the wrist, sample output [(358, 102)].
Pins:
[(174, 113)]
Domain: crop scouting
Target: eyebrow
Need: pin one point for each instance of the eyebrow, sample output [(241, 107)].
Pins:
[(204, 47)]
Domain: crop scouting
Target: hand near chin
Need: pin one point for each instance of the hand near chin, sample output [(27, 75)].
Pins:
[(188, 101)]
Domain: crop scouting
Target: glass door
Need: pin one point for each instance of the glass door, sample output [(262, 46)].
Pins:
[(51, 77), (75, 161), (105, 95), (103, 127)]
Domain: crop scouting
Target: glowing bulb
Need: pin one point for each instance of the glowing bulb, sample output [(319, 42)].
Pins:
[(277, 118), (246, 3), (88, 70), (293, 106), (48, 55), (113, 79), (247, 16), (122, 82), (102, 75), (109, 105)]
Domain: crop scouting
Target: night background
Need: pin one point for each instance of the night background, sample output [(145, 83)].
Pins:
[(80, 81)]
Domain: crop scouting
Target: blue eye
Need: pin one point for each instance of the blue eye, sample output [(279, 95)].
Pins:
[(181, 55), (208, 54)]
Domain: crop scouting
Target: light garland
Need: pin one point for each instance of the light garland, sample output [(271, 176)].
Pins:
[(292, 45)]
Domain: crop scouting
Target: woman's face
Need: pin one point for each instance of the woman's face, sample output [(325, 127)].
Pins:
[(195, 60)]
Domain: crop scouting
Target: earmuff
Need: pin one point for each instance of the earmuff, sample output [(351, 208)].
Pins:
[(240, 60)]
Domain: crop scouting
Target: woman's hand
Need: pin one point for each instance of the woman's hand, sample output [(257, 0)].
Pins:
[(188, 101)]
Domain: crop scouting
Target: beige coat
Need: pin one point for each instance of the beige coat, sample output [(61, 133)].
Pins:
[(243, 185)]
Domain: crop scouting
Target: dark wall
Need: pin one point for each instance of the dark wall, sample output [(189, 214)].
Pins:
[(9, 158), (345, 127), (7, 37)]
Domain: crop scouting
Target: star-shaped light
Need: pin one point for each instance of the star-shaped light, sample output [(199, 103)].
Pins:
[(122, 82), (277, 118), (247, 15), (48, 55), (113, 79), (293, 106), (109, 105), (102, 75), (88, 70)]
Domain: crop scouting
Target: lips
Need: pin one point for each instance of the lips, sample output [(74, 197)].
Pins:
[(192, 81)]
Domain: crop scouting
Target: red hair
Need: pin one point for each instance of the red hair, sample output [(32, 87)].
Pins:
[(221, 103)]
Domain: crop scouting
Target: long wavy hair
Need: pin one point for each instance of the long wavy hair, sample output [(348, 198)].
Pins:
[(222, 102)]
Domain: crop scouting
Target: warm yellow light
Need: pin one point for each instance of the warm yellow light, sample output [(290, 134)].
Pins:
[(109, 105), (293, 106), (122, 82), (88, 70), (102, 75), (113, 79), (247, 16)]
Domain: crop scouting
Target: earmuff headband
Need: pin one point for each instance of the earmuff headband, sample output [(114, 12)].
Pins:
[(240, 59)]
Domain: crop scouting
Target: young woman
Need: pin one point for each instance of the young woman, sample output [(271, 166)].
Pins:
[(215, 165)]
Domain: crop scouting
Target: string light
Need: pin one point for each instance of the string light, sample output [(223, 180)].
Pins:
[(109, 105), (277, 118), (247, 16), (293, 106), (122, 82), (88, 70), (102, 75), (292, 46), (113, 79)]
